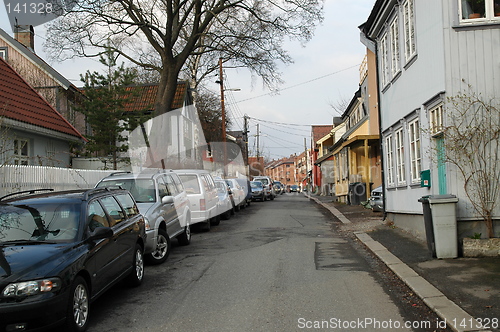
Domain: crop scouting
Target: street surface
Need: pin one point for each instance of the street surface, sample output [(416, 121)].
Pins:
[(275, 266)]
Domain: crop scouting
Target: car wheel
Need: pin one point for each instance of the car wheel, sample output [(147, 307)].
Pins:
[(136, 276), (185, 238), (226, 215), (271, 197), (248, 203), (237, 208), (162, 250), (205, 226), (215, 221), (77, 317)]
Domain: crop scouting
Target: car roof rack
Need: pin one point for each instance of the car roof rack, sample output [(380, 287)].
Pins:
[(100, 189), (120, 172), (27, 192)]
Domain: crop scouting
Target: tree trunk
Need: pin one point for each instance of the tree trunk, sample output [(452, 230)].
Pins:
[(166, 91), (489, 226)]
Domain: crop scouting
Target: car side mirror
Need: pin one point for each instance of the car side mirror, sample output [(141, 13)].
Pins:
[(101, 233), (167, 199)]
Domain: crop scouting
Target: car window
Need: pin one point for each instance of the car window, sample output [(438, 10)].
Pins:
[(204, 181), (221, 186), (190, 183), (163, 190), (143, 190), (171, 185), (39, 222), (114, 210), (128, 204), (178, 183), (96, 217)]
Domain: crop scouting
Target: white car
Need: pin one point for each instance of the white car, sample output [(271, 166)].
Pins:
[(239, 194), (202, 194)]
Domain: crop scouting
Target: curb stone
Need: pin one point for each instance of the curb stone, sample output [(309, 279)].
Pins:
[(432, 297)]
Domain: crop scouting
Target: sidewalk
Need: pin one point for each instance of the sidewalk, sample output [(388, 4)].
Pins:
[(458, 290)]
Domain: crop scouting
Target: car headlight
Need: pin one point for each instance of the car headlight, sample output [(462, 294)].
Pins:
[(147, 225), (29, 288)]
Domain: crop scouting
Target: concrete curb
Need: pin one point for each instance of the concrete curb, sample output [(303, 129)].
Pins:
[(435, 300)]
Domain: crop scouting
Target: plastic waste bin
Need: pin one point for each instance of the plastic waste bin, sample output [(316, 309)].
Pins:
[(429, 232), (357, 193), (443, 219)]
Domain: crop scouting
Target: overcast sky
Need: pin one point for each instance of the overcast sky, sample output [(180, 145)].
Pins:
[(323, 73)]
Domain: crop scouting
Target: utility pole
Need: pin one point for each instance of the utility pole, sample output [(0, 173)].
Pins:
[(307, 161), (223, 116), (258, 152), (245, 138)]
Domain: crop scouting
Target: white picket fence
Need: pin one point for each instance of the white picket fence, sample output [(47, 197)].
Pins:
[(16, 178)]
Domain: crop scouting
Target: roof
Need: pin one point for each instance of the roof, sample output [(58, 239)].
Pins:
[(20, 102), (145, 97), (320, 131), (36, 60)]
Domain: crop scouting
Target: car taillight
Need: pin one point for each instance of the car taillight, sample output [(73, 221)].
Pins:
[(203, 206)]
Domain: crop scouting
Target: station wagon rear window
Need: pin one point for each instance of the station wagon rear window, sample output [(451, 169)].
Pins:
[(143, 190), (191, 184)]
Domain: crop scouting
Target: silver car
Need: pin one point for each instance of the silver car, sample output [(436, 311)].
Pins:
[(161, 199), (377, 199)]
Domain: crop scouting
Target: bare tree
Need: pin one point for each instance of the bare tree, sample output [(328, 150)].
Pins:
[(249, 32), (472, 144)]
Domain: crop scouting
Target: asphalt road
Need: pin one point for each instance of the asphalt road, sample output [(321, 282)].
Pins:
[(275, 266)]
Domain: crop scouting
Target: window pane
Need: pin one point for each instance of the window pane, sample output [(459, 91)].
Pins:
[(472, 9), (128, 204), (114, 210), (96, 216)]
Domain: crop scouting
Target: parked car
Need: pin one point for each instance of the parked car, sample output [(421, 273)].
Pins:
[(257, 191), (239, 195), (245, 185), (279, 188), (294, 188), (163, 202), (377, 199), (225, 205), (59, 251), (202, 195), (267, 182)]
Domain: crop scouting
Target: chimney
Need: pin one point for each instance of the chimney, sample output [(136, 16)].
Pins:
[(25, 34)]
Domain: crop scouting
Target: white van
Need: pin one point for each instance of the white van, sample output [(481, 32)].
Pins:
[(202, 194)]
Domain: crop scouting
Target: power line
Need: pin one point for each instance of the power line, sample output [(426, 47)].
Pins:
[(299, 84)]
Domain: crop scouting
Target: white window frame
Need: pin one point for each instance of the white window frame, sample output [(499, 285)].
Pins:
[(409, 30), (389, 158), (400, 156), (436, 120), (490, 12), (415, 153), (394, 37), (21, 149), (384, 59)]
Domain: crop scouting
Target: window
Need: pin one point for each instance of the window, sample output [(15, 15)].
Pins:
[(395, 66), (389, 160), (96, 216), (436, 120), (479, 9), (21, 151), (415, 160), (171, 185), (384, 60), (400, 157), (409, 30), (3, 53), (114, 210), (128, 204)]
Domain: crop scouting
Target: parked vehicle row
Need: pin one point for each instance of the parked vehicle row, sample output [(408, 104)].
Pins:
[(64, 249)]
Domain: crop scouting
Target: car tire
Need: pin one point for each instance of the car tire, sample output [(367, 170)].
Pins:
[(248, 203), (78, 311), (271, 197), (263, 198), (215, 221), (185, 238), (205, 226), (162, 250), (226, 215), (136, 276)]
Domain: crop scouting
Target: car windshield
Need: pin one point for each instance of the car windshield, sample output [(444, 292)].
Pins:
[(190, 183), (256, 184), (39, 222), (263, 180), (143, 190)]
